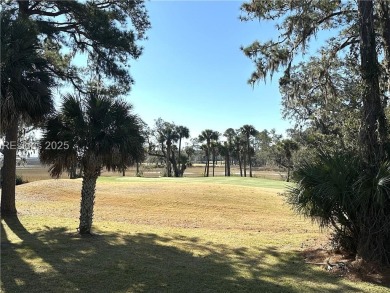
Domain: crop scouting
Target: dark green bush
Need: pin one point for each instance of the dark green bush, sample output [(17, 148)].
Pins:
[(19, 180), (335, 190)]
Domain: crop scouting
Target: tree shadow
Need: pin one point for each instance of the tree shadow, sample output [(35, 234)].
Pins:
[(13, 267), (114, 262)]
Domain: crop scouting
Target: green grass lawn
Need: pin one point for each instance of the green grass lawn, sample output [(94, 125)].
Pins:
[(163, 235)]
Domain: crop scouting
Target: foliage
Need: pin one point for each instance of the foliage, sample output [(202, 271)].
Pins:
[(248, 131), (26, 86), (20, 180), (94, 132), (338, 97), (351, 56), (96, 126), (39, 41), (332, 190), (162, 144), (265, 144), (106, 31), (283, 154), (28, 97), (209, 136), (323, 98)]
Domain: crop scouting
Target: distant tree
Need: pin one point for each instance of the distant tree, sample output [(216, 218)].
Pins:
[(183, 132), (167, 135), (205, 150), (223, 150), (208, 135), (162, 143), (264, 141), (214, 146), (239, 150), (98, 130), (229, 134), (190, 151), (284, 153), (248, 131)]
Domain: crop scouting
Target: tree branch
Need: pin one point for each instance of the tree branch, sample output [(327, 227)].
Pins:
[(45, 13)]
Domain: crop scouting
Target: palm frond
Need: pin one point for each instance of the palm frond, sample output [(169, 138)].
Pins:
[(96, 126)]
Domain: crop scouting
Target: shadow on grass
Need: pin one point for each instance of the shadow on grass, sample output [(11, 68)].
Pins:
[(54, 260)]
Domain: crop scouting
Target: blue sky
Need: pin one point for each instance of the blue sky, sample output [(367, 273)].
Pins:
[(193, 73)]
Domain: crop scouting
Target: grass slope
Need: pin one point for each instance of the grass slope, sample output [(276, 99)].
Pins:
[(162, 235)]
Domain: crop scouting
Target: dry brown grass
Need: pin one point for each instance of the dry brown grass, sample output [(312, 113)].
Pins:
[(168, 204), (35, 173)]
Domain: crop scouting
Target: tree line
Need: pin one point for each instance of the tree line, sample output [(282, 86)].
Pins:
[(245, 147)]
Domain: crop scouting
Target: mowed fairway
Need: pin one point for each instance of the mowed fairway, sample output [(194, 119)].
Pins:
[(163, 235)]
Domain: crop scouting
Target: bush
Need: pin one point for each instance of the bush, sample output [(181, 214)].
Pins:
[(19, 180), (335, 190)]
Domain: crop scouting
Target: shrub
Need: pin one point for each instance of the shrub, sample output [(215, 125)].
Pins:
[(335, 190), (19, 180)]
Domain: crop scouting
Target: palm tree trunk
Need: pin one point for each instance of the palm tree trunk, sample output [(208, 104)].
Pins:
[(87, 203), (179, 153), (240, 164), (208, 162), (225, 165), (183, 167), (213, 163), (73, 172), (81, 171), (176, 171), (244, 159), (228, 164), (168, 159), (8, 206), (250, 160), (288, 174)]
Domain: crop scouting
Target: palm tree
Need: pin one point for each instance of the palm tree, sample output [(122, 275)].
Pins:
[(94, 131), (238, 148), (190, 151), (223, 150), (25, 93), (183, 132), (286, 148), (167, 134), (214, 149), (208, 135), (332, 190), (248, 131), (229, 134)]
